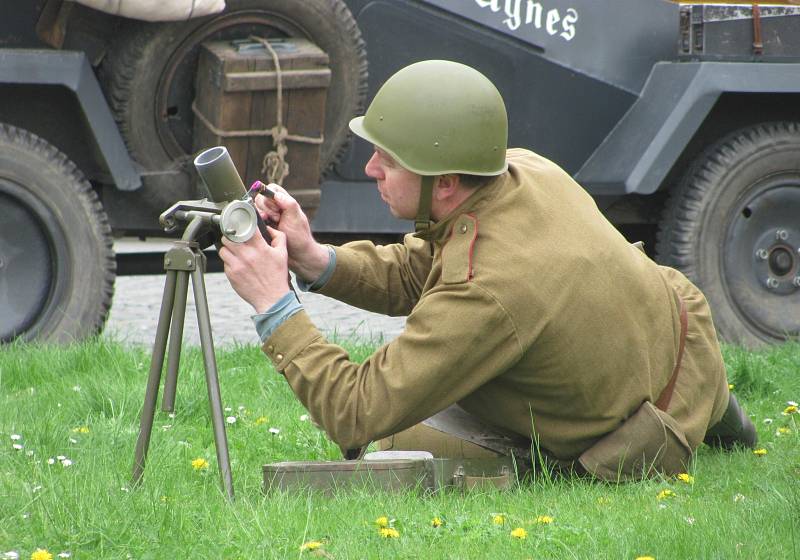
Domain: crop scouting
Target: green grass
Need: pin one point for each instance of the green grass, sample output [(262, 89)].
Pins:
[(740, 505)]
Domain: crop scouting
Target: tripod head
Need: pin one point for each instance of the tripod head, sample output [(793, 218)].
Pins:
[(228, 210)]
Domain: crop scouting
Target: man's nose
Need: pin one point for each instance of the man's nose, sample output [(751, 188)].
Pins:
[(372, 169)]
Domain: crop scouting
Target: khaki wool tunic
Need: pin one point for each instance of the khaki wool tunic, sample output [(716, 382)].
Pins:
[(533, 313)]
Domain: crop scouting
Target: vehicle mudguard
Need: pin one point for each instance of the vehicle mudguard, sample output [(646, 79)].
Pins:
[(639, 152), (71, 69)]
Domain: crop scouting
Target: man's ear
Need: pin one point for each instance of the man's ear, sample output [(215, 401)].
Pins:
[(446, 186)]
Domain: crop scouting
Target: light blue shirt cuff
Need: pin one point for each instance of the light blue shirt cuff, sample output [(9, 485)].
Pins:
[(272, 318), (323, 278)]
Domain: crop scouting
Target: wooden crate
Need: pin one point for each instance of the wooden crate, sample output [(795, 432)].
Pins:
[(236, 91)]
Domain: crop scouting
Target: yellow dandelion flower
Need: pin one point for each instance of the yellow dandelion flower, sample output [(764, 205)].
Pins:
[(730, 386), (436, 522), (261, 420), (81, 430), (645, 558), (665, 494), (685, 477), (199, 464), (519, 533), (544, 520), (783, 431), (499, 519), (41, 554), (382, 522), (389, 533), (760, 451), (791, 409), (310, 545)]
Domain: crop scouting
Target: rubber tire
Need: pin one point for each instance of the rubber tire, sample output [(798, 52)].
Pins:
[(692, 234), (38, 178), (135, 63)]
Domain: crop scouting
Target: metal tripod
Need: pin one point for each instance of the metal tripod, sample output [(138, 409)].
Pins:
[(184, 259)]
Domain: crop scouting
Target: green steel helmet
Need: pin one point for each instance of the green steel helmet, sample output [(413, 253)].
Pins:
[(437, 117)]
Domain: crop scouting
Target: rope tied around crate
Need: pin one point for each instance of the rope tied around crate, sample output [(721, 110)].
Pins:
[(274, 165)]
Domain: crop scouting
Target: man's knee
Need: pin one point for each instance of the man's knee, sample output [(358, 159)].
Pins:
[(439, 444)]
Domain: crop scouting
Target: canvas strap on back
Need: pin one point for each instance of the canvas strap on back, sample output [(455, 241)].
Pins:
[(423, 221), (666, 395)]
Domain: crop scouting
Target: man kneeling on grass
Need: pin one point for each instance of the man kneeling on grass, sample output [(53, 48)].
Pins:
[(530, 318)]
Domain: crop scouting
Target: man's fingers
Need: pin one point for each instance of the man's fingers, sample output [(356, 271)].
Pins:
[(267, 208), (273, 209), (278, 238), (285, 201), (241, 250), (225, 249), (277, 188)]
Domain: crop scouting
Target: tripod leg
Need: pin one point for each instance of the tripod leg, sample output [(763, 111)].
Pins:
[(212, 380), (175, 341), (154, 378)]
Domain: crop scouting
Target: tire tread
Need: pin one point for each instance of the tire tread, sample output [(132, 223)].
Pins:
[(88, 198)]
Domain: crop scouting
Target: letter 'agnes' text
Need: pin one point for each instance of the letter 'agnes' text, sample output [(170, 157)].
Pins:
[(527, 13)]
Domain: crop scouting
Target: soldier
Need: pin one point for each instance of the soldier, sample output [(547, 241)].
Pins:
[(530, 318)]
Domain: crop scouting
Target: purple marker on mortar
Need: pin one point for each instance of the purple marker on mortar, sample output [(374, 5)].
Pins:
[(260, 188)]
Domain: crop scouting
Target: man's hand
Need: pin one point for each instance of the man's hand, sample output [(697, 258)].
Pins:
[(307, 258), (257, 271)]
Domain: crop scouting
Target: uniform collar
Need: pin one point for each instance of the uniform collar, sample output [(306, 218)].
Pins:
[(439, 231)]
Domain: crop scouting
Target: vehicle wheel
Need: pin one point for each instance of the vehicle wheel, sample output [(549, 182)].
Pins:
[(149, 72), (732, 227), (57, 264)]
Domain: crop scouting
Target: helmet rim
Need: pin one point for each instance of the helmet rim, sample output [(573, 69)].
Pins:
[(437, 117), (358, 128)]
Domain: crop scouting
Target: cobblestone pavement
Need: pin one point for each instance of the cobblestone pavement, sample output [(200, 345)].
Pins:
[(137, 300)]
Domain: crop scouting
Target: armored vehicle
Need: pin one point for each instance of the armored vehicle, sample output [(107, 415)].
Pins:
[(683, 121)]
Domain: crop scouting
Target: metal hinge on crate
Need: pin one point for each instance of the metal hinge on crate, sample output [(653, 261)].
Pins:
[(280, 44)]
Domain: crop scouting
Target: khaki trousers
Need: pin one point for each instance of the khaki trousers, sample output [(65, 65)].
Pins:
[(439, 444)]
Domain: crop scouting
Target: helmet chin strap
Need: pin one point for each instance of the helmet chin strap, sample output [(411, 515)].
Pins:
[(423, 221)]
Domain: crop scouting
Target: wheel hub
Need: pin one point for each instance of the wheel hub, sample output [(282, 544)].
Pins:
[(781, 261), (776, 260), (761, 261), (26, 262)]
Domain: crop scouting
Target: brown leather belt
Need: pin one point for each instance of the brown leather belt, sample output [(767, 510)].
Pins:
[(666, 395)]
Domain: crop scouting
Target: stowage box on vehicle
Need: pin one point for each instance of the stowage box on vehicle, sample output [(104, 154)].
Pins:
[(238, 88)]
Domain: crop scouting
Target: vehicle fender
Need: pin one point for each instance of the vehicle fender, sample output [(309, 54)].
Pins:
[(72, 70), (640, 150)]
